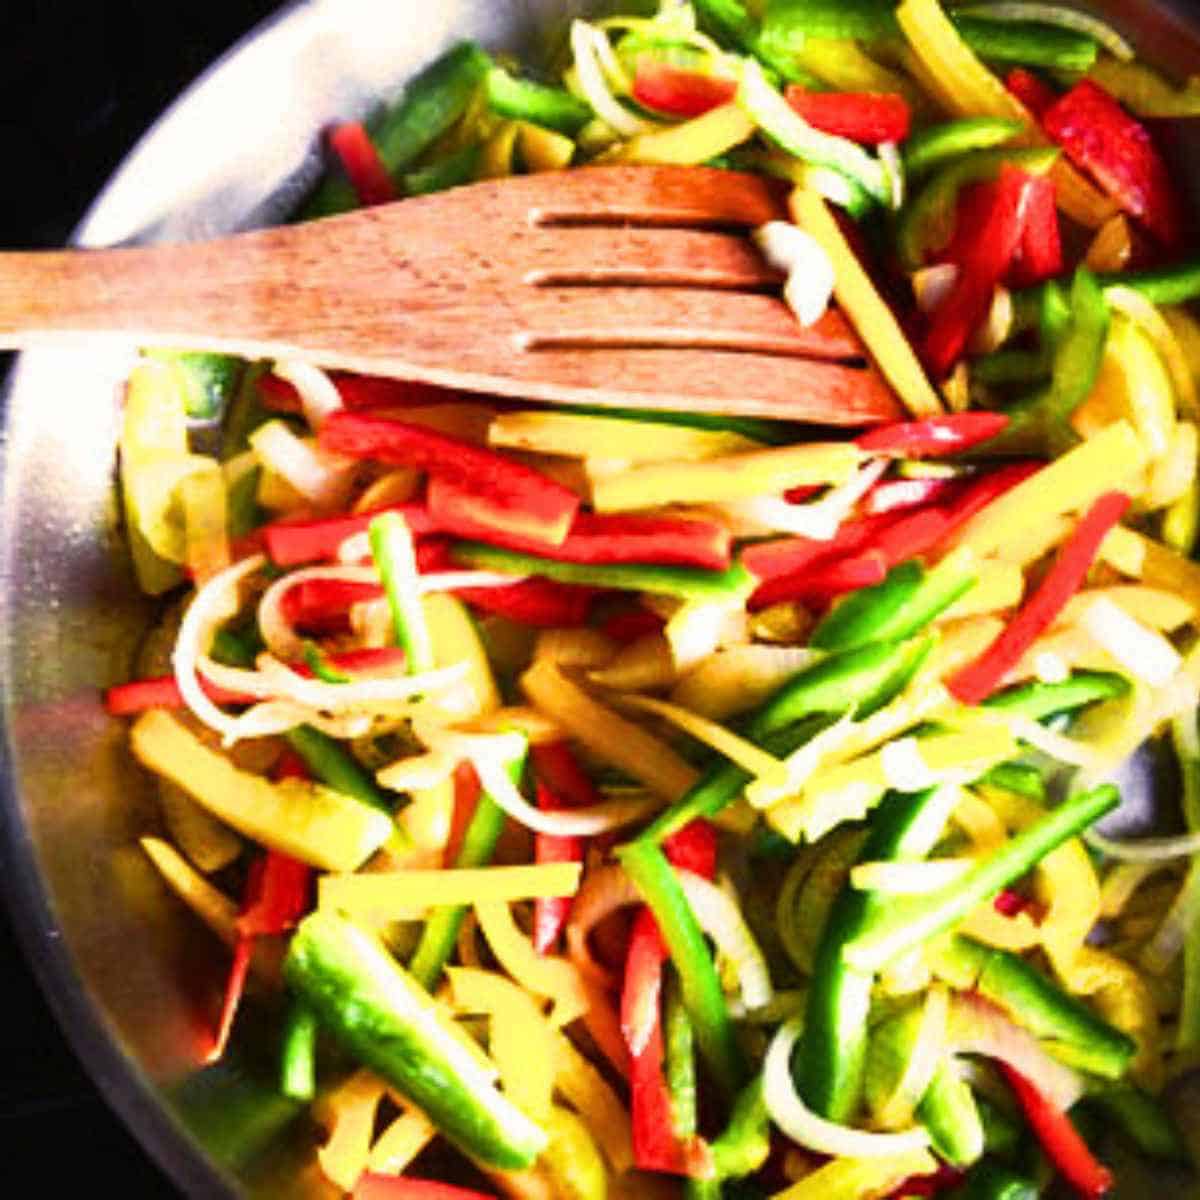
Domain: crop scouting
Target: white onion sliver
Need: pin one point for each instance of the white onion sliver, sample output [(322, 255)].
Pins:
[(1153, 849), (1054, 14), (1141, 651), (908, 878), (604, 891), (318, 395), (810, 274), (719, 916), (320, 477), (586, 50), (214, 603), (355, 549), (1163, 948), (449, 581), (276, 631), (803, 1126), (929, 1048), (904, 768), (889, 155)]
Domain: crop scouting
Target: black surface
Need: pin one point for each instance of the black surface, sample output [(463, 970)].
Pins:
[(79, 83)]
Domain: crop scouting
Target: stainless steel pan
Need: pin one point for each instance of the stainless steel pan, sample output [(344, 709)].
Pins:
[(132, 980)]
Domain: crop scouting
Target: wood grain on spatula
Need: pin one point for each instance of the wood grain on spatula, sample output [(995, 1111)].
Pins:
[(606, 285)]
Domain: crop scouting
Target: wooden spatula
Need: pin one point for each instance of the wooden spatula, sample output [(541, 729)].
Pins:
[(609, 285)]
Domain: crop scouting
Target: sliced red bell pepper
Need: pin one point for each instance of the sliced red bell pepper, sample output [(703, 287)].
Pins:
[(1101, 138), (371, 1186), (975, 682), (983, 264), (942, 1180), (537, 602), (1060, 1140), (290, 543), (656, 1146), (1039, 255), (934, 436), (693, 848), (550, 913), (870, 117), (913, 535), (494, 491), (239, 967), (322, 605), (362, 164), (824, 581), (897, 495), (681, 93), (595, 537), (1032, 91), (787, 556), (466, 800), (356, 391), (802, 492), (982, 491), (628, 626), (283, 896)]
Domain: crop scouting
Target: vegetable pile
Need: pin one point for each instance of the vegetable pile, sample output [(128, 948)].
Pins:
[(647, 803)]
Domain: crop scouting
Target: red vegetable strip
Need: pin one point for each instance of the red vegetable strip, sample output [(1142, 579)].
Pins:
[(466, 800), (291, 543), (404, 1187), (975, 682), (693, 848), (503, 493), (787, 556), (983, 263), (550, 913), (235, 985), (933, 437), (987, 488), (537, 602), (1031, 90), (1039, 256), (625, 627), (322, 604), (362, 164), (1060, 1140), (824, 581), (356, 391), (282, 899), (659, 86), (1100, 137), (915, 534), (945, 1178), (595, 537), (870, 117), (896, 495)]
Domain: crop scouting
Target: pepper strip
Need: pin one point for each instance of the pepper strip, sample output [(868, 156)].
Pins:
[(561, 783), (976, 682)]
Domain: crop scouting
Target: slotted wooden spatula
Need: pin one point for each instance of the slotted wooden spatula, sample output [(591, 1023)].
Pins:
[(608, 285)]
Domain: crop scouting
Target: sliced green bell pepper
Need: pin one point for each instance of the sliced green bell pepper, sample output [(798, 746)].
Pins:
[(538, 103), (936, 145)]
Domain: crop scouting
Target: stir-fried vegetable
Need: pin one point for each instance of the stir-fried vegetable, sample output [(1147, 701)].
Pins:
[(650, 794)]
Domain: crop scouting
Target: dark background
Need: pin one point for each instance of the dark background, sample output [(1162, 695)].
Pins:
[(79, 83)]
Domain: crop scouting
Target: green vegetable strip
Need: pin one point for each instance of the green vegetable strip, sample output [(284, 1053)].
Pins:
[(905, 925), (731, 23), (688, 583), (1005, 367), (993, 1181), (1042, 1007), (537, 103), (745, 1143), (1027, 42), (334, 767), (867, 677), (832, 1056), (949, 1112), (703, 997), (1041, 700), (788, 23), (1019, 778), (242, 510), (1141, 1117), (298, 1068), (392, 549), (1175, 284), (452, 171), (1001, 1133), (936, 145), (208, 380), (680, 1046), (441, 929), (758, 429)]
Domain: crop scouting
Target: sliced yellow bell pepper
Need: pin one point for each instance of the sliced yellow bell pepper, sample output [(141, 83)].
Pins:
[(575, 647), (865, 308), (348, 1115), (998, 585), (978, 820), (645, 664), (400, 1143), (499, 151), (586, 1090), (1111, 247), (842, 63), (208, 843), (211, 905), (854, 1178), (1143, 558), (965, 87), (427, 819), (731, 477), (690, 142), (609, 736), (542, 974), (519, 1039), (455, 639), (1110, 459), (580, 435), (206, 543), (543, 149), (407, 895), (1146, 316), (1144, 91), (307, 820)]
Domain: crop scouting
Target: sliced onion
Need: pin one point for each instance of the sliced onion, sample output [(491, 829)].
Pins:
[(216, 602), (1163, 948), (1120, 883), (1146, 316), (1049, 667), (803, 1126), (585, 46), (909, 878), (318, 395), (278, 716), (932, 285), (603, 893), (889, 155), (277, 632), (810, 274), (904, 767), (355, 549), (928, 1051), (1147, 850), (1141, 651), (978, 1027), (323, 478), (995, 330), (718, 914), (1054, 14), (800, 764)]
